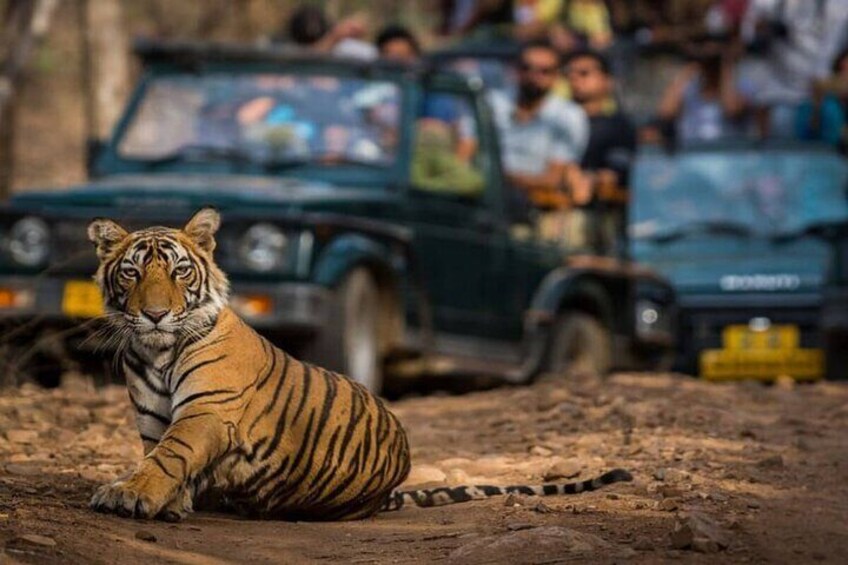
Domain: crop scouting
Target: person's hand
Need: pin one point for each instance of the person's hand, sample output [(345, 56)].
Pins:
[(581, 188), (254, 110), (606, 184), (353, 26)]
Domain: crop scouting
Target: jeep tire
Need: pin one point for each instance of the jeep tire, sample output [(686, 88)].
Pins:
[(349, 343), (579, 343)]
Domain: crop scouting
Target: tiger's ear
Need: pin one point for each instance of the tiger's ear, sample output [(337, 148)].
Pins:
[(105, 235), (202, 226)]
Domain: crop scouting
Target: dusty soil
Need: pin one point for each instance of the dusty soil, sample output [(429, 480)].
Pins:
[(730, 473)]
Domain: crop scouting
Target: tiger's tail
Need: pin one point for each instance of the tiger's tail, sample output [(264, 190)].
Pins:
[(452, 495)]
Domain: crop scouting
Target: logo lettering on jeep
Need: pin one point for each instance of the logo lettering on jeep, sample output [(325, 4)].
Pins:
[(770, 283)]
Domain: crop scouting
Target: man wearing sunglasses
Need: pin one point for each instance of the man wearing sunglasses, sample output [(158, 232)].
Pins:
[(543, 138), (610, 152)]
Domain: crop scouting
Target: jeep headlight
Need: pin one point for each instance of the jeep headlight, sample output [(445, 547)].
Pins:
[(29, 241), (263, 247), (650, 319)]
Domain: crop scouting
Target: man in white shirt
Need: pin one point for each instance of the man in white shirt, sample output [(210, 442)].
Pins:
[(543, 138)]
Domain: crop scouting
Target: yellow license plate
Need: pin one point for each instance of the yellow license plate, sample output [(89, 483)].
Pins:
[(82, 299), (762, 364), (763, 354)]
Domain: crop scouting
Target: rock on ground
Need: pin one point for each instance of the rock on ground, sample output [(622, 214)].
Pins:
[(521, 545), (698, 532)]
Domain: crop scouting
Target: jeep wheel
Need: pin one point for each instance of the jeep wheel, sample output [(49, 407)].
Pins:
[(350, 343), (660, 361), (579, 343)]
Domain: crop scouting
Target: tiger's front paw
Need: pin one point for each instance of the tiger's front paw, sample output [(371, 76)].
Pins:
[(178, 508), (126, 499)]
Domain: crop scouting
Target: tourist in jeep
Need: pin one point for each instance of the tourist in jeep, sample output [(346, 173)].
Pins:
[(709, 100), (609, 154), (543, 139), (309, 28), (445, 142)]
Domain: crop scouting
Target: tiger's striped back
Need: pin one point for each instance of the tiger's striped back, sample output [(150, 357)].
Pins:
[(312, 443)]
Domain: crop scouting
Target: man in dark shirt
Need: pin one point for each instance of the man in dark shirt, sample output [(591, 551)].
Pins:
[(610, 151)]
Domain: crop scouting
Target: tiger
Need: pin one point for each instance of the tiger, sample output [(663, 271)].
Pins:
[(224, 415)]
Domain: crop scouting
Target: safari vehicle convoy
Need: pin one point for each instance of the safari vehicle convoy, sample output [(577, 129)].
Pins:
[(749, 236), (352, 234)]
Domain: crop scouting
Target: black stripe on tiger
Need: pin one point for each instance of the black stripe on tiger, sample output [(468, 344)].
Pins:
[(203, 394), (188, 372), (178, 441), (145, 411)]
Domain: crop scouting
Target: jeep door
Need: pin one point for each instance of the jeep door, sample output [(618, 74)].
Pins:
[(459, 243)]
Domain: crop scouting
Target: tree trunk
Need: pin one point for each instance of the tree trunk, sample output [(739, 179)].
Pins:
[(106, 70), (7, 140), (25, 22)]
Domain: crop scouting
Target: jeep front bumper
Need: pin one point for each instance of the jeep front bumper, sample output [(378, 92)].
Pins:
[(287, 307)]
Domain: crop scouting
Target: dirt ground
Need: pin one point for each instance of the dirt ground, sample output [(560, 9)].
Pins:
[(723, 473)]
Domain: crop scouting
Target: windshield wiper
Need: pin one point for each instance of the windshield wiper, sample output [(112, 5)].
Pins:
[(721, 227), (203, 153), (324, 160), (826, 229)]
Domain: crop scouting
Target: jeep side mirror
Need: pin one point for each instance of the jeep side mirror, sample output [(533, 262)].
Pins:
[(93, 149)]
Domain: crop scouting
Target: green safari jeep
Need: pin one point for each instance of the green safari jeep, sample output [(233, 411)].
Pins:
[(367, 225)]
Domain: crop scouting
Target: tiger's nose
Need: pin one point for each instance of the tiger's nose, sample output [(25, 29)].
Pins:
[(155, 315)]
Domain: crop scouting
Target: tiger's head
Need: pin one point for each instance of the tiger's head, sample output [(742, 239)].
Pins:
[(160, 284)]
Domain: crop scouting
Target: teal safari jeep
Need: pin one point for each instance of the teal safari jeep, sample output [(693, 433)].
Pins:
[(740, 230), (358, 230)]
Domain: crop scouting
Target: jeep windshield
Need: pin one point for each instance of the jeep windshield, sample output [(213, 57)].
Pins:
[(263, 121), (739, 192)]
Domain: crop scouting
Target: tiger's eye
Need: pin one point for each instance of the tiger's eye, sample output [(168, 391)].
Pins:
[(182, 270), (131, 273)]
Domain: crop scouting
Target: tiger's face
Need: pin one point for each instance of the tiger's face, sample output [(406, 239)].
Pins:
[(160, 284)]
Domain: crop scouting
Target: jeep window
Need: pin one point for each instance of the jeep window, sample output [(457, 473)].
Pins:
[(740, 193), (265, 119), (446, 156)]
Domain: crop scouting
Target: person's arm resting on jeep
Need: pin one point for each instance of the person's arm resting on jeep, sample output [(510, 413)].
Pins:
[(546, 186), (547, 189)]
